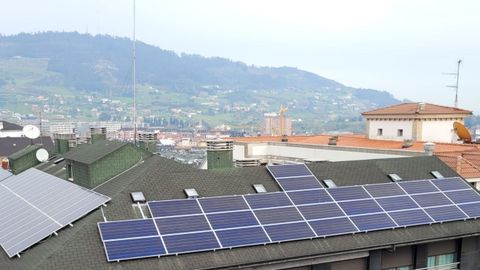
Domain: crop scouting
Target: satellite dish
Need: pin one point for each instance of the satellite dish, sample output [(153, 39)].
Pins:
[(462, 132), (42, 155), (31, 131)]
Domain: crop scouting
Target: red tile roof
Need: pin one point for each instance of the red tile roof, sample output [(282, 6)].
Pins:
[(461, 165), (417, 109)]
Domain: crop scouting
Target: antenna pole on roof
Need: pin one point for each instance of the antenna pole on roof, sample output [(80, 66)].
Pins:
[(134, 81), (457, 75)]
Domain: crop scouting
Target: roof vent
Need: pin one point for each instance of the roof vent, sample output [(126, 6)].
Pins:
[(191, 193), (437, 174), (394, 177), (137, 196), (329, 183), (429, 148), (259, 188), (333, 140), (407, 143)]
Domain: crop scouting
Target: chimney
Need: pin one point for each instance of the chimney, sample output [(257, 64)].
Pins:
[(407, 144), (333, 140), (429, 147), (421, 106), (219, 154)]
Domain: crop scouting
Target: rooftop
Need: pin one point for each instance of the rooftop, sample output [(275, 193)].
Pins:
[(10, 145), (158, 178), (417, 109), (89, 153), (4, 125)]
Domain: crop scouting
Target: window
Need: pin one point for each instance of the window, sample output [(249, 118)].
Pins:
[(400, 132), (380, 131), (437, 174), (394, 177), (400, 268), (259, 188), (329, 183), (191, 193), (440, 259)]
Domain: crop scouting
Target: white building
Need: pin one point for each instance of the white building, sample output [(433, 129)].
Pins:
[(11, 130), (414, 121)]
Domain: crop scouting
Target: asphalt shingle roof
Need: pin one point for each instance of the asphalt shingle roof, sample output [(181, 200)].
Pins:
[(10, 145), (158, 178), (89, 153), (10, 126)]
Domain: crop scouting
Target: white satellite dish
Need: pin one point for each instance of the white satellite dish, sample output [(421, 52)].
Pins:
[(31, 131), (42, 155)]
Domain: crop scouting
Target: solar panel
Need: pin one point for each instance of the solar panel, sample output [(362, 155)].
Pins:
[(190, 242), (471, 209), (431, 199), (278, 215), (4, 174), (445, 213), (134, 248), (222, 204), (232, 219), (348, 193), (34, 205), (319, 211), (242, 237), (127, 229), (299, 183), (192, 225), (384, 190), (289, 231), (373, 222), (415, 187), (267, 200), (333, 226), (182, 224), (360, 207), (397, 203), (463, 196), (174, 208), (450, 184), (289, 170), (309, 196), (410, 217)]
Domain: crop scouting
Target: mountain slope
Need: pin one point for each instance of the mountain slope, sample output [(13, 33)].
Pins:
[(216, 90)]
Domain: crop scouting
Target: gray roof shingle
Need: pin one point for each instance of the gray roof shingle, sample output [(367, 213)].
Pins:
[(89, 153)]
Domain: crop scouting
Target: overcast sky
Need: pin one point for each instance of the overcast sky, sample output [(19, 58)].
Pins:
[(398, 46)]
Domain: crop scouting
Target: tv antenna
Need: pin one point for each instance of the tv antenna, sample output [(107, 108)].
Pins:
[(134, 79), (457, 75)]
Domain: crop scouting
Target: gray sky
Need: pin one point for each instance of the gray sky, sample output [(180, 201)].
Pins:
[(398, 46)]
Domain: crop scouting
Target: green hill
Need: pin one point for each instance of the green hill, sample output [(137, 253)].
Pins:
[(70, 73)]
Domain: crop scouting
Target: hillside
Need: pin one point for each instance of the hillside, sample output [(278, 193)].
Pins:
[(89, 77)]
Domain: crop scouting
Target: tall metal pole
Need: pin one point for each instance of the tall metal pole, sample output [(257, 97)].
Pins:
[(134, 80), (456, 85)]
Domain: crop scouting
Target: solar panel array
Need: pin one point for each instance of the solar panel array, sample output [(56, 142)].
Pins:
[(193, 225), (34, 205), (294, 177), (4, 174)]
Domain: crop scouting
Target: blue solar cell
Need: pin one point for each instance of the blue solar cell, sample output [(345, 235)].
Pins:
[(383, 190), (326, 227), (232, 220), (360, 207), (348, 193), (397, 203), (431, 199), (127, 229), (445, 213), (318, 211), (288, 170), (299, 183), (463, 196), (410, 217), (174, 208), (415, 187), (134, 248), (221, 204), (182, 224), (471, 209), (373, 222), (450, 184), (290, 231), (242, 237), (190, 242), (309, 196), (265, 200), (278, 215)]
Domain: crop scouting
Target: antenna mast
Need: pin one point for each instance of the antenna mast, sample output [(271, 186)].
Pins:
[(134, 80), (457, 75)]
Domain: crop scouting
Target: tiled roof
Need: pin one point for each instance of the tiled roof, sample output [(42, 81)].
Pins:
[(80, 247), (416, 109), (461, 165)]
